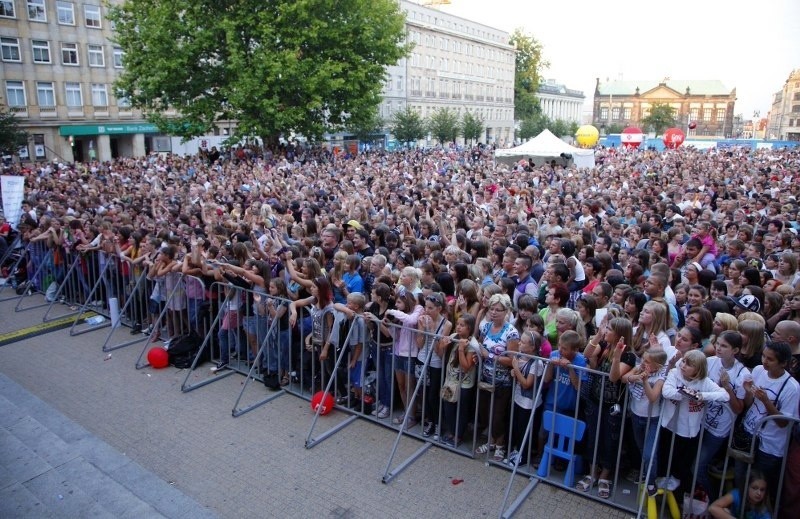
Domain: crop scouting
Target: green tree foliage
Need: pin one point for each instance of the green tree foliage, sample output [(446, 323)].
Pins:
[(471, 126), (661, 117), (532, 126), (276, 67), (12, 137), (407, 126), (444, 125), (366, 129), (614, 128), (530, 63)]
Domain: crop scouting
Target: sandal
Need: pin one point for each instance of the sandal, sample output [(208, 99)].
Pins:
[(603, 488), (483, 449), (586, 483), (499, 454)]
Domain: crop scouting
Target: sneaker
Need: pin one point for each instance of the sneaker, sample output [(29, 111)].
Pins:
[(428, 429), (449, 441), (514, 457), (148, 330), (383, 413), (219, 367)]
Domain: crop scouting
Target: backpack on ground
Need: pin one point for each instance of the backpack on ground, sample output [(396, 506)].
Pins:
[(183, 350)]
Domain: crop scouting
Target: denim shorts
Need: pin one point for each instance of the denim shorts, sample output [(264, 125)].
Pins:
[(404, 364)]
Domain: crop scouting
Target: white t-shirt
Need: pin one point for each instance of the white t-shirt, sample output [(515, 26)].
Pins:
[(773, 438), (719, 415), (640, 404), (526, 401)]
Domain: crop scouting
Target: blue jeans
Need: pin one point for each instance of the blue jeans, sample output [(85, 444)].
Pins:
[(708, 449), (383, 365), (645, 437), (227, 339)]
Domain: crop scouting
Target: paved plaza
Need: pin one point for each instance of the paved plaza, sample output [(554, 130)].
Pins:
[(83, 435)]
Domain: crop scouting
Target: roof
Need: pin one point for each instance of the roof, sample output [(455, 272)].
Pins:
[(558, 89), (696, 86)]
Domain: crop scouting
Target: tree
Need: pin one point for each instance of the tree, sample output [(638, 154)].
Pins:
[(407, 126), (532, 126), (366, 129), (443, 124), (560, 128), (471, 126), (275, 67), (614, 128), (12, 137), (530, 63), (661, 117)]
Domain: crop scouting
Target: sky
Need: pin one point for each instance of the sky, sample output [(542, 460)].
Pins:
[(749, 45)]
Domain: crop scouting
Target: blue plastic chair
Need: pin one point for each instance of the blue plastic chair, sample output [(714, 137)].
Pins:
[(564, 432)]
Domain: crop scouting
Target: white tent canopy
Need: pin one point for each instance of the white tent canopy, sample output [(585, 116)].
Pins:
[(544, 148)]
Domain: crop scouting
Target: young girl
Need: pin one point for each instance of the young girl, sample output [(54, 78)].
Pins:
[(644, 384), (318, 341), (685, 391), (757, 505), (462, 359), (526, 371), (536, 324), (730, 374)]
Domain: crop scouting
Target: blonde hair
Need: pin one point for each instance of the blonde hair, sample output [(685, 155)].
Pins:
[(697, 359), (575, 322), (752, 316), (754, 332), (656, 356), (728, 321), (500, 299)]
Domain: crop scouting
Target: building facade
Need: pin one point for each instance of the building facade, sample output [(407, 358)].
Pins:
[(625, 103), (784, 117), (457, 64), (58, 68), (559, 102)]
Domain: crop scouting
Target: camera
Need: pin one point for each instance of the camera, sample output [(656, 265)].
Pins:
[(615, 410)]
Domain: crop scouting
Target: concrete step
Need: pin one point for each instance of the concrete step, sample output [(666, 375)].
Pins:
[(52, 467)]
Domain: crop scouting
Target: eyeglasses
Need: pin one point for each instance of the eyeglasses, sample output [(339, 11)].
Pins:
[(435, 300)]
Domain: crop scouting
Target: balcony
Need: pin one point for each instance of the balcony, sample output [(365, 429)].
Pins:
[(490, 99), (456, 96), (479, 98), (430, 93), (125, 112), (416, 93), (75, 112), (101, 111), (19, 111), (468, 97), (48, 112), (443, 95)]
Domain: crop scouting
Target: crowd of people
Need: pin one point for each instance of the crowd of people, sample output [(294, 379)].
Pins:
[(673, 273)]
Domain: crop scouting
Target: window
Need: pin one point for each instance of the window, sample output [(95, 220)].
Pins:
[(706, 114), (91, 14), (796, 109), (124, 102), (45, 94), (99, 95), (626, 113), (694, 113), (796, 96), (73, 95), (41, 51), (15, 94), (615, 113), (69, 53), (66, 13), (10, 49), (36, 11), (96, 56), (604, 113), (720, 116), (7, 9), (118, 55)]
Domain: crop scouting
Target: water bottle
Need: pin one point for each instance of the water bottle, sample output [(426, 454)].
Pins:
[(94, 321)]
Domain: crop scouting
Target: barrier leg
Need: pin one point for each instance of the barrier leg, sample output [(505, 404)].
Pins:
[(237, 411)]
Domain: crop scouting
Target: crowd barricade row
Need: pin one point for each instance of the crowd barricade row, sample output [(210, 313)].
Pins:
[(133, 312), (39, 275), (363, 381)]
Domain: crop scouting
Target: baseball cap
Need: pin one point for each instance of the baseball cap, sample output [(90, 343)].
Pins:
[(747, 302), (354, 224)]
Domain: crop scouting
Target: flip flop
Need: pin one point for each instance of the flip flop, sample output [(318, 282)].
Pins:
[(603, 488)]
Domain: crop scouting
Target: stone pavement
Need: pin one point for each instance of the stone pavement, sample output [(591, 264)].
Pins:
[(114, 441)]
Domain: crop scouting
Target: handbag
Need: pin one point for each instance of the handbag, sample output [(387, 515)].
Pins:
[(450, 390)]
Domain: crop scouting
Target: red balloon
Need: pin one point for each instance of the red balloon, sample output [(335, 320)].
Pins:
[(673, 138), (324, 401), (632, 137), (158, 357), (693, 125)]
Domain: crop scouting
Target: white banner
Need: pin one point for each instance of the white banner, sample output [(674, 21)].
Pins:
[(13, 188)]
